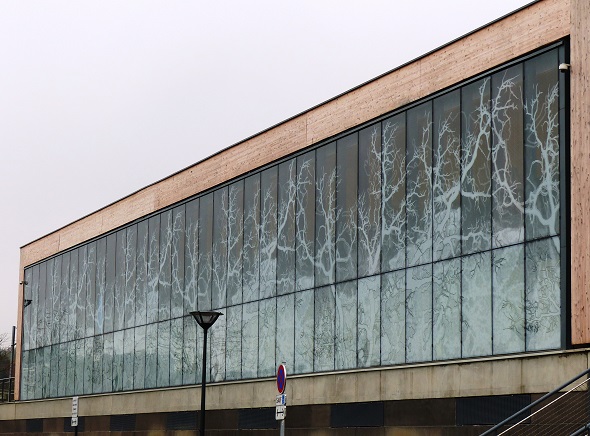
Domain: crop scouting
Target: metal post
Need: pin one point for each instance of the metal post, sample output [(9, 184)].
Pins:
[(11, 368), (203, 385), (282, 427)]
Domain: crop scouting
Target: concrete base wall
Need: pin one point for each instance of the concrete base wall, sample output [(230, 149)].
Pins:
[(316, 401)]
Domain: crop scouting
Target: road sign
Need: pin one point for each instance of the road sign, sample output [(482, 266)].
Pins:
[(281, 400), (74, 411), (280, 413), (281, 378)]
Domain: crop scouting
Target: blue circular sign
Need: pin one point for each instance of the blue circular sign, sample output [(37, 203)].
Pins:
[(281, 378)]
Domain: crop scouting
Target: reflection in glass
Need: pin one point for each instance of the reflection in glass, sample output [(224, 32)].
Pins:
[(419, 314), (477, 305), (447, 310), (369, 321), (346, 207), (369, 201), (475, 166), (304, 331), (543, 301), (393, 188), (508, 294), (446, 173), (325, 312)]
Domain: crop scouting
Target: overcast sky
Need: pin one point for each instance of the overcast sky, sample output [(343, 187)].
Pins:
[(101, 98)]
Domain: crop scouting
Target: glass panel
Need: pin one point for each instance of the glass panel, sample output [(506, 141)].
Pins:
[(40, 278), (151, 355), (27, 312), (78, 360), (419, 185), (51, 305), (165, 275), (447, 310), (508, 296), (305, 224), (63, 367), (369, 201), (47, 370), (543, 302), (88, 365), (191, 256), (107, 363), (542, 145), (64, 296), (139, 358), (477, 305), (205, 247), (128, 358), (346, 203), (475, 167), (120, 275), (90, 289), (393, 191), (285, 344), (251, 237), (73, 296), (393, 318), (446, 184), (189, 351), (286, 227), (81, 292), (216, 340), (153, 269), (249, 340), (233, 351), (178, 238), (101, 252), (325, 215), (346, 325), (176, 337), (507, 157), (304, 331), (118, 338), (71, 369), (97, 355), (54, 376), (235, 241), (109, 293), (219, 280), (163, 372), (24, 375), (39, 357), (267, 336), (268, 233), (130, 273), (369, 321), (419, 314), (141, 270), (325, 314)]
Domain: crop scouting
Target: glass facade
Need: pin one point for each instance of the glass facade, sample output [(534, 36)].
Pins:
[(431, 234)]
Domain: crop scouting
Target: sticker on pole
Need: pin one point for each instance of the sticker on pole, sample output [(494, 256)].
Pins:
[(281, 378)]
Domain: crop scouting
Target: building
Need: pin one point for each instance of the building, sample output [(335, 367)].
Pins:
[(408, 248)]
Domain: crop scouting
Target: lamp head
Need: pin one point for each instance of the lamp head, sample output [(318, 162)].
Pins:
[(206, 319)]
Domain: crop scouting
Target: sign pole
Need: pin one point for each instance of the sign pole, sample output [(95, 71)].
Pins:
[(281, 399)]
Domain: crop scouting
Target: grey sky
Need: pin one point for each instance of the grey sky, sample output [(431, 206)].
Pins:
[(101, 98)]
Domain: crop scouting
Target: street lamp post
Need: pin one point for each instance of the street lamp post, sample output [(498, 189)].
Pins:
[(205, 320)]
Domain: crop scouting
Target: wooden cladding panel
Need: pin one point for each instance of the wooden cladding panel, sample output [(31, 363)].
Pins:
[(580, 171), (548, 21)]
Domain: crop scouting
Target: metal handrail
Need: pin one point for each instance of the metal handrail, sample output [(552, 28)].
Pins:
[(534, 403), (6, 389)]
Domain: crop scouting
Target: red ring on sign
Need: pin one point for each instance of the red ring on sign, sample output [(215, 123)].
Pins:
[(281, 378)]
